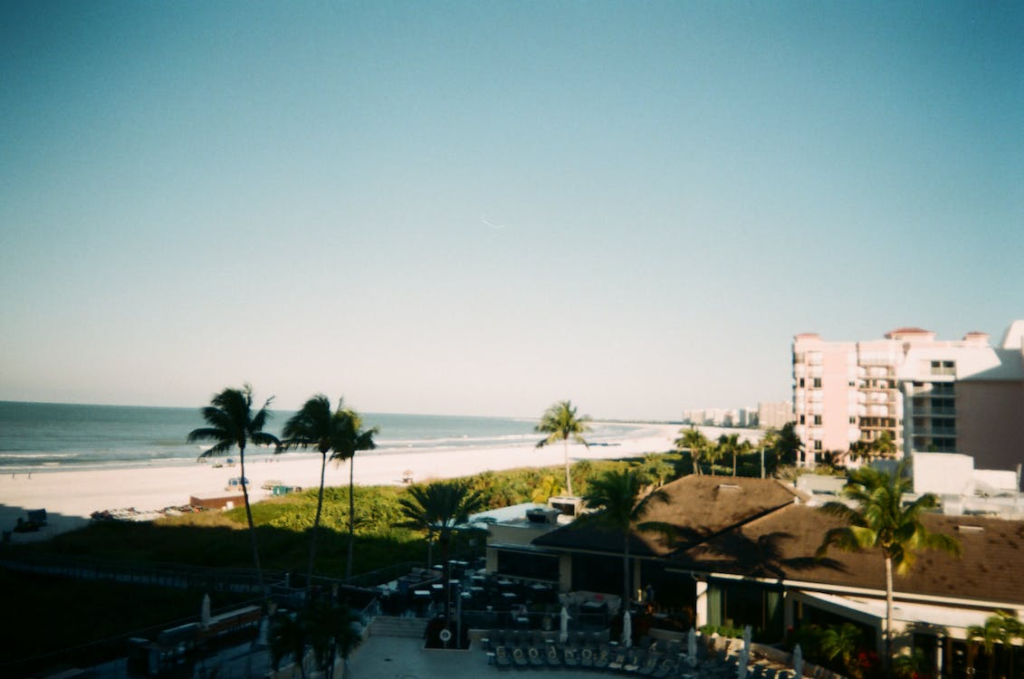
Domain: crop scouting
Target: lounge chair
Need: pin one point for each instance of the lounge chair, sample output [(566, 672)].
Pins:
[(650, 664), (553, 657), (501, 658), (665, 668), (755, 671)]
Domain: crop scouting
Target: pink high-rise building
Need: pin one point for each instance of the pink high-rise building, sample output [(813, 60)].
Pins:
[(932, 395)]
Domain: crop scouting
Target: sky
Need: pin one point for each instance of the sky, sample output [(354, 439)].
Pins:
[(481, 208)]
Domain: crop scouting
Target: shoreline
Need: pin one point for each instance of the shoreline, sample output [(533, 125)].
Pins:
[(70, 496)]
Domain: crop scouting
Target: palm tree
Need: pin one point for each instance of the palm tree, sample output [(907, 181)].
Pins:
[(352, 439), (840, 642), (693, 439), (880, 521), (561, 423), (315, 425), (729, 444), (657, 468), (624, 501), (232, 423), (989, 634), (326, 629), (288, 638), (884, 446), (1002, 628), (441, 508), (712, 453), (788, 445), (332, 631)]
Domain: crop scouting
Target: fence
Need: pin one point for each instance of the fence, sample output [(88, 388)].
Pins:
[(160, 575)]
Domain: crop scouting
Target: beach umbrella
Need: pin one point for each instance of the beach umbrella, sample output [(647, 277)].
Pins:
[(563, 634), (748, 635), (798, 661), (741, 668), (627, 630), (204, 614), (691, 647)]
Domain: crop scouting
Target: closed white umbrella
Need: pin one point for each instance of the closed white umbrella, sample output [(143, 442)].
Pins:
[(691, 647), (563, 634), (204, 614), (627, 630), (748, 635), (798, 661)]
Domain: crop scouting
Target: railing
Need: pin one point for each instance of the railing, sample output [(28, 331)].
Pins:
[(109, 653), (157, 574)]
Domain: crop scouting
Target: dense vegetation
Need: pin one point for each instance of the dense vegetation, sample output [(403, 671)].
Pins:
[(220, 540)]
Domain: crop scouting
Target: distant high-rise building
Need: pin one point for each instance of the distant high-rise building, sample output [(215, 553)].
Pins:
[(774, 414), (928, 395), (721, 417)]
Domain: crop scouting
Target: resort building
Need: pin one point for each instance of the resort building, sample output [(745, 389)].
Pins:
[(742, 551), (919, 393)]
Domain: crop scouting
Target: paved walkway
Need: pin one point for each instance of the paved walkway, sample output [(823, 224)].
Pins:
[(403, 658)]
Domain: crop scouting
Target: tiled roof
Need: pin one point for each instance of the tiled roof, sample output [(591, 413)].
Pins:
[(782, 545), (699, 507), (909, 331)]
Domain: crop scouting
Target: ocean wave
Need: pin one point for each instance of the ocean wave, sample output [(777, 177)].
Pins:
[(464, 440), (36, 456)]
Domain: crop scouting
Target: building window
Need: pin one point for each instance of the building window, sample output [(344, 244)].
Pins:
[(817, 383), (943, 368), (801, 419), (801, 383), (817, 419), (853, 419), (817, 445)]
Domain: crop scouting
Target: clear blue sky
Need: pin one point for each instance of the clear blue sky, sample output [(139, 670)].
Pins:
[(485, 207)]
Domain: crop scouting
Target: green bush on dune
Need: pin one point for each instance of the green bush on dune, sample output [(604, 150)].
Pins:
[(217, 538)]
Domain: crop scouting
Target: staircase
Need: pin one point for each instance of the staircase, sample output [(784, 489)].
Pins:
[(390, 626)]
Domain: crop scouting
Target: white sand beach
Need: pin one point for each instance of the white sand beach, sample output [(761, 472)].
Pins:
[(71, 496)]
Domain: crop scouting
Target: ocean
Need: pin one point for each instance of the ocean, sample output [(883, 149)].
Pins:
[(42, 436)]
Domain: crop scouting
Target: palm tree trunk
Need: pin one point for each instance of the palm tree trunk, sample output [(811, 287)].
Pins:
[(445, 540), (625, 573), (568, 477), (888, 615), (316, 523), (734, 463), (252, 526), (351, 515)]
